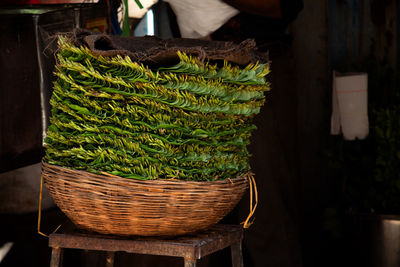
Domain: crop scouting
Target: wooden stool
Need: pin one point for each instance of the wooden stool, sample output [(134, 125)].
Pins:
[(189, 247)]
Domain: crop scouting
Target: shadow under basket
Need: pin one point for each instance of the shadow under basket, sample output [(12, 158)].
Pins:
[(121, 206)]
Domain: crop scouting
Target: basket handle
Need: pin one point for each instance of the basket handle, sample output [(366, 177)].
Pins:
[(253, 187)]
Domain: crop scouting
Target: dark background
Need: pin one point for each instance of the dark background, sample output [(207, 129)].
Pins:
[(294, 224)]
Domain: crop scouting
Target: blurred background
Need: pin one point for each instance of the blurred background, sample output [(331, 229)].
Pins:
[(328, 177)]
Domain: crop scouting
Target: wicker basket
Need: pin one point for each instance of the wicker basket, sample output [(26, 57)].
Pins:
[(120, 206)]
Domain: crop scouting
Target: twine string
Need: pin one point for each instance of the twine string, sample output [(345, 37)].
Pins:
[(40, 207), (253, 189)]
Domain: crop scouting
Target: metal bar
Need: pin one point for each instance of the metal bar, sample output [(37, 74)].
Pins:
[(43, 104), (237, 257), (56, 257), (109, 24), (77, 17), (110, 259)]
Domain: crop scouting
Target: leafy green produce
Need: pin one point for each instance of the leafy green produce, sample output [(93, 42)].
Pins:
[(189, 121)]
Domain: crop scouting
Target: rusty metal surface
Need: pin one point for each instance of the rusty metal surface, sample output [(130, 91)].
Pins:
[(192, 247)]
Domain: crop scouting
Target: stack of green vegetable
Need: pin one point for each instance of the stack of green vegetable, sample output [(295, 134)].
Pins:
[(190, 121)]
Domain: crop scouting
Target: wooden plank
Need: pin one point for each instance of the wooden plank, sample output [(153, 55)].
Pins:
[(189, 247), (236, 252), (56, 257), (358, 29)]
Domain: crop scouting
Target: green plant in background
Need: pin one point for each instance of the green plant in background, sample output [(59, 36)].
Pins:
[(387, 167), (189, 121)]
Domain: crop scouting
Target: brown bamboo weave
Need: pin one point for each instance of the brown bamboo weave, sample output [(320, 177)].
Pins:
[(121, 206)]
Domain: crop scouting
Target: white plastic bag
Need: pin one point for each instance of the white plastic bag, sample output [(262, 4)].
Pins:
[(350, 105), (199, 18)]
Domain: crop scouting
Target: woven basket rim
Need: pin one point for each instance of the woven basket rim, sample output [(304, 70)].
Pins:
[(150, 181)]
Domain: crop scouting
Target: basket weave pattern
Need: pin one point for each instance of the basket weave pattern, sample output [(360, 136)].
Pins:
[(120, 206)]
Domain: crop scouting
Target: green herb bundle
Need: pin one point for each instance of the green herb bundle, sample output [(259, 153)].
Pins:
[(189, 121)]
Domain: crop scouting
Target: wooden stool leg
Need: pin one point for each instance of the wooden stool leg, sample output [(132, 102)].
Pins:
[(190, 262), (237, 257), (56, 257), (110, 259)]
